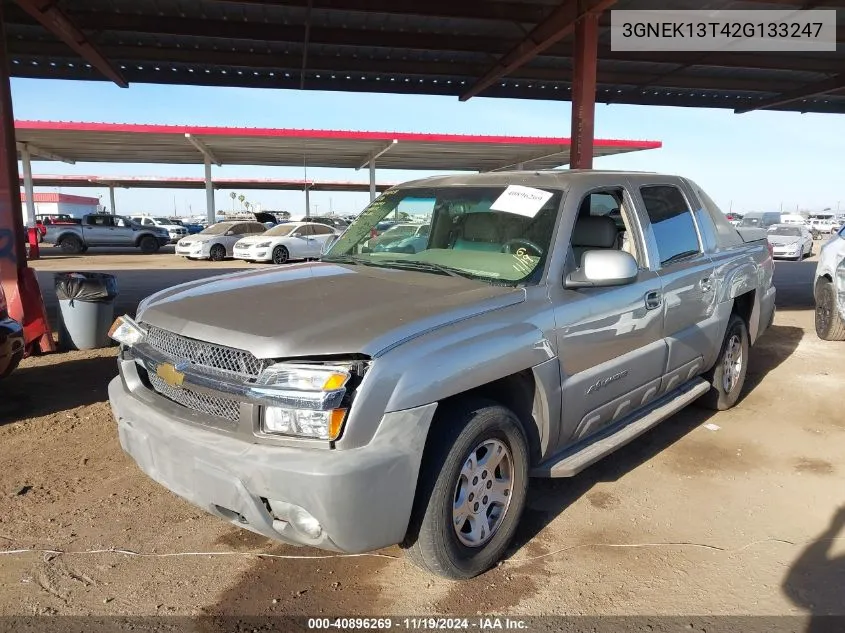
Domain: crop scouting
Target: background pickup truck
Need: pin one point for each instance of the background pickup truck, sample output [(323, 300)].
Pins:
[(105, 230), (376, 398)]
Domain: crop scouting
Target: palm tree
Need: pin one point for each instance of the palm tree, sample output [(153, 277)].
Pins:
[(233, 195), (241, 198), (247, 204)]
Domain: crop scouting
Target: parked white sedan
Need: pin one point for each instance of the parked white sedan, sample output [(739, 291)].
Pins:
[(790, 241), (293, 240), (216, 241)]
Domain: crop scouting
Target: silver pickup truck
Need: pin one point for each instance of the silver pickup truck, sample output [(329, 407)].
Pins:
[(99, 229), (380, 398)]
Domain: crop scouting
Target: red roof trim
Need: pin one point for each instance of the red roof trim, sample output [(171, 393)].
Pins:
[(386, 137), (61, 197)]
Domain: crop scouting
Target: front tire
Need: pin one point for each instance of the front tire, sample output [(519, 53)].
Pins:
[(148, 245), (71, 245), (728, 375), (472, 490), (280, 255), (829, 323), (217, 253)]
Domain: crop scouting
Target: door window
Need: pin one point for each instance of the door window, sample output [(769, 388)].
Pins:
[(320, 229), (672, 223), (100, 220), (306, 230), (602, 223)]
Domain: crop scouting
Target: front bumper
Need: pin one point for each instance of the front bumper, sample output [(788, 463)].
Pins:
[(186, 251), (12, 345), (361, 497), (252, 254)]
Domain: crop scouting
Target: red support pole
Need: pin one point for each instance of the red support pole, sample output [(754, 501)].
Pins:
[(19, 282), (584, 91)]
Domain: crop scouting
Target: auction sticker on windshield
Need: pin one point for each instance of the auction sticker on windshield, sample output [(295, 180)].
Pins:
[(521, 200)]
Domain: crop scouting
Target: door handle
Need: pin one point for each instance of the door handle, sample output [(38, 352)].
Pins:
[(706, 284), (653, 299)]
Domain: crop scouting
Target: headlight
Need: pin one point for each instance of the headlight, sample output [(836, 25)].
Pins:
[(262, 245), (323, 425), (303, 400), (126, 332)]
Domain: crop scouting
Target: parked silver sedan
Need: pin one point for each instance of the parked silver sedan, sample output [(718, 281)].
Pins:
[(790, 241)]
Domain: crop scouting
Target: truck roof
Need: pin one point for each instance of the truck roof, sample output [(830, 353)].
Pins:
[(559, 178)]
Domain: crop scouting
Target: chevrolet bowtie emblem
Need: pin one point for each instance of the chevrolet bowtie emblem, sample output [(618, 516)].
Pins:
[(169, 374)]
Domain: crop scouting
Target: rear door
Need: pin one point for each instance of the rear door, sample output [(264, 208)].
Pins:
[(687, 280), (322, 234)]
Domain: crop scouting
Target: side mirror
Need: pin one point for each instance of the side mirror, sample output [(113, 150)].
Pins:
[(230, 232), (604, 268), (297, 234)]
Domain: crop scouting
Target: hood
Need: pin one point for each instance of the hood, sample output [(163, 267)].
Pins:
[(189, 239), (783, 240), (257, 239), (321, 308)]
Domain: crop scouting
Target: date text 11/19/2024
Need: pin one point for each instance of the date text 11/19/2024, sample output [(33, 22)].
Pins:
[(480, 623)]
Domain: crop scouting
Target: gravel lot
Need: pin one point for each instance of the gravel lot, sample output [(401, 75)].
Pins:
[(745, 517)]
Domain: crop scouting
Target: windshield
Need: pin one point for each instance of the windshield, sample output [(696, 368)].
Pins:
[(164, 221), (496, 234), (789, 231), (217, 229), (279, 229), (755, 221)]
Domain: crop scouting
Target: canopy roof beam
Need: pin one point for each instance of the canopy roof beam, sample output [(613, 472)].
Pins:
[(34, 150), (52, 18), (835, 83), (560, 23), (372, 157), (203, 149)]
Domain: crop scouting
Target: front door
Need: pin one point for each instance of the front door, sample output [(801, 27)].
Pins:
[(98, 230), (322, 234), (687, 282), (610, 340)]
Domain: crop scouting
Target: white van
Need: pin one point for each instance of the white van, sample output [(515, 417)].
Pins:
[(792, 218)]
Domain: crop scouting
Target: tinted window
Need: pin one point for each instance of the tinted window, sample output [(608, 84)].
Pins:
[(672, 223), (100, 220), (306, 230), (320, 229), (256, 228)]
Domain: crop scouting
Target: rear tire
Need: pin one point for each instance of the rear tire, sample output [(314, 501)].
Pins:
[(148, 245), (217, 253), (829, 323), (728, 375), (467, 508), (280, 255), (71, 245)]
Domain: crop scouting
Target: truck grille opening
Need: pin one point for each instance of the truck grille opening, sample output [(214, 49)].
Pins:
[(214, 359), (223, 408)]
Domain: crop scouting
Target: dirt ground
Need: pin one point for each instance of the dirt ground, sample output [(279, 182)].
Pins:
[(739, 512)]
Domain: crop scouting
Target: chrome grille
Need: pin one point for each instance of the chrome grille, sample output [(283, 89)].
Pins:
[(208, 357), (220, 407)]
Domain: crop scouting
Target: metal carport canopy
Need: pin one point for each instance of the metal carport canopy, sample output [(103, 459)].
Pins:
[(131, 143), (163, 182)]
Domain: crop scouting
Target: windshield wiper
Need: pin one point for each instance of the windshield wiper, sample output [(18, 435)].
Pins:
[(345, 259), (678, 257), (426, 266)]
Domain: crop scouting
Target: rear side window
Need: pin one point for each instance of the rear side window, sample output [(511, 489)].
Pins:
[(672, 223)]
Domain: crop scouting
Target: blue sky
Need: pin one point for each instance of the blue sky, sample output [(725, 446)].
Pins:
[(747, 162)]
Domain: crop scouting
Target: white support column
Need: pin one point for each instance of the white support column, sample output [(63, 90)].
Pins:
[(211, 213), (372, 179), (29, 212), (307, 200), (113, 208)]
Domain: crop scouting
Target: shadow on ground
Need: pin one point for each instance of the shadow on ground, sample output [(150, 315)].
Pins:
[(816, 580), (60, 385), (548, 498)]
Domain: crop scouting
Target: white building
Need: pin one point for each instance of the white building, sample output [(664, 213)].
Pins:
[(56, 203)]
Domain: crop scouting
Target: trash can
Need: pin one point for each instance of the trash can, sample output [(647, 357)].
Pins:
[(86, 309)]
